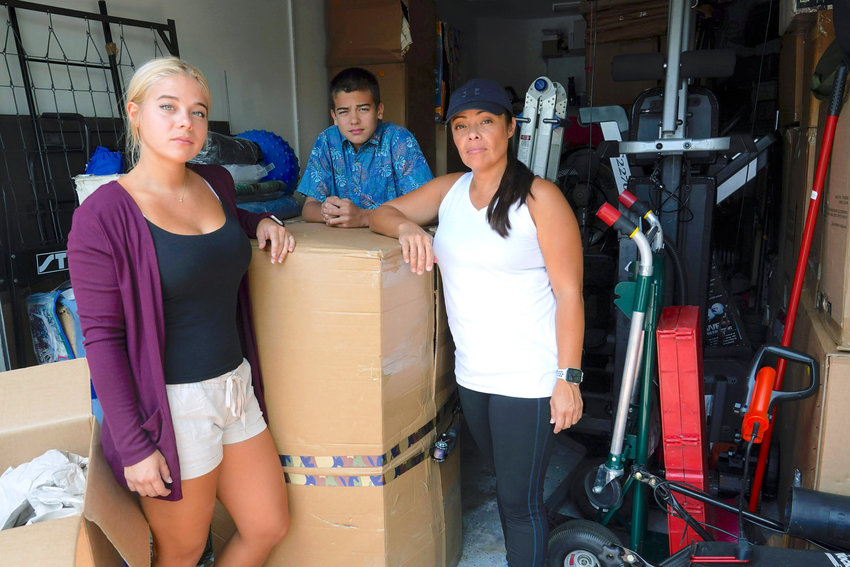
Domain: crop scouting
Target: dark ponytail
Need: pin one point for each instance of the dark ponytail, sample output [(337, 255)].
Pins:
[(514, 187)]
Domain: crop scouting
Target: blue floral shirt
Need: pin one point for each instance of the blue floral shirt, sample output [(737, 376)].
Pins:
[(390, 164)]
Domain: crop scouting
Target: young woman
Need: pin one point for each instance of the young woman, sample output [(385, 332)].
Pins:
[(510, 257), (158, 262)]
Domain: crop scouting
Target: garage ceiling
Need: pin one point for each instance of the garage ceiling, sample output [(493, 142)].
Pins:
[(527, 9)]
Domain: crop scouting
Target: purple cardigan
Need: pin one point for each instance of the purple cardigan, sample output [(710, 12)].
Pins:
[(115, 277)]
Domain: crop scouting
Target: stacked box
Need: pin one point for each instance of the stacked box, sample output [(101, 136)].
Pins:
[(618, 20), (812, 433), (357, 367), (834, 285)]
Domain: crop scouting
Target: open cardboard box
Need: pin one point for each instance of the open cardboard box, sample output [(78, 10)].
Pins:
[(49, 407)]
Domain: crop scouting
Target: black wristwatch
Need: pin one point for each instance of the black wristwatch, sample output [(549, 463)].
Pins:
[(571, 375)]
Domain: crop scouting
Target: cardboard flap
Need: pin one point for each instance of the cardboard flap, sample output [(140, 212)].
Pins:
[(362, 242), (44, 394), (114, 509), (44, 543)]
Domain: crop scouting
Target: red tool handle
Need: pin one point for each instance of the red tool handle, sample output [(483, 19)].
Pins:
[(757, 411), (612, 217)]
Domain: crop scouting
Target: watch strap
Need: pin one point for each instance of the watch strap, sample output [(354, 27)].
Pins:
[(570, 375)]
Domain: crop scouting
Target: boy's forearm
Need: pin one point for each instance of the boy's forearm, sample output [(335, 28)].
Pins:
[(312, 211), (365, 216)]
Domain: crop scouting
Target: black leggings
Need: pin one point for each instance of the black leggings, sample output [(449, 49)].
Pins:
[(515, 436)]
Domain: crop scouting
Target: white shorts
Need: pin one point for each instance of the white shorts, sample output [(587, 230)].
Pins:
[(210, 414)]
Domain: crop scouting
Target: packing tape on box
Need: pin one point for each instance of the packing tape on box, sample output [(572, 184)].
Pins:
[(370, 461), (356, 480)]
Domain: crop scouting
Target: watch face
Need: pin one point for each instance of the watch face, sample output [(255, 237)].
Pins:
[(571, 375), (574, 375)]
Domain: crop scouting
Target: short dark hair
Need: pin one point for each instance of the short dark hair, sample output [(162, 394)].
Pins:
[(355, 79)]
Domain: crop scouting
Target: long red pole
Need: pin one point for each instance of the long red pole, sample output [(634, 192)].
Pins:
[(802, 260)]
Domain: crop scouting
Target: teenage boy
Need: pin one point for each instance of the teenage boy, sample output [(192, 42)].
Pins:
[(360, 162)]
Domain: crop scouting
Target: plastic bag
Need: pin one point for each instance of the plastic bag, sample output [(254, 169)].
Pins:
[(221, 149), (105, 162), (49, 339)]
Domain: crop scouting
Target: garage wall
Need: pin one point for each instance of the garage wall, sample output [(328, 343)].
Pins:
[(509, 51), (253, 42), (311, 73), (507, 47)]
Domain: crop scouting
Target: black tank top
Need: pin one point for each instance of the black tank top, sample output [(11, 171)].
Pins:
[(200, 277)]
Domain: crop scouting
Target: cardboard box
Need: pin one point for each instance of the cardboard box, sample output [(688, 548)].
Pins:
[(358, 373), (820, 33), (834, 286), (352, 344), (618, 20), (362, 32), (605, 90), (791, 11), (813, 432), (49, 407)]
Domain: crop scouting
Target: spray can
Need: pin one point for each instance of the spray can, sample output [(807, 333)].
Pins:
[(444, 444)]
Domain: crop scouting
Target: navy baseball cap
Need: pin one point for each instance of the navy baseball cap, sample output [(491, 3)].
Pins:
[(481, 94)]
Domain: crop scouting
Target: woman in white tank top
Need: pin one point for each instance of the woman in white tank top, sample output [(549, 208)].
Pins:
[(511, 261)]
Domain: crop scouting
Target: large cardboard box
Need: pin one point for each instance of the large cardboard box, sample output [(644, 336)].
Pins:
[(49, 407), (357, 366), (813, 432), (834, 286), (352, 344), (349, 42)]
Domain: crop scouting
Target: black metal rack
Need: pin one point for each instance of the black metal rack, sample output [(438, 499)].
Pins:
[(55, 105)]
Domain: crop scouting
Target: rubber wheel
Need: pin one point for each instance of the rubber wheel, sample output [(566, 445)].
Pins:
[(608, 498), (582, 481), (578, 543), (578, 494)]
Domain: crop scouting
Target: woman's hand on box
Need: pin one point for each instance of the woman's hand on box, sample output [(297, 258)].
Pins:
[(149, 476), (282, 242), (417, 247)]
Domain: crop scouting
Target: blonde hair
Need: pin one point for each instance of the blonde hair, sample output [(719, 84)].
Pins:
[(140, 85)]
